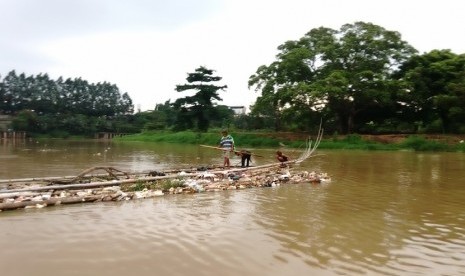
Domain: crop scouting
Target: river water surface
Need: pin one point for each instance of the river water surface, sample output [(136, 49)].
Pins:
[(384, 213)]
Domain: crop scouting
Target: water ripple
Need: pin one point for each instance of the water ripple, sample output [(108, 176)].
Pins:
[(385, 219)]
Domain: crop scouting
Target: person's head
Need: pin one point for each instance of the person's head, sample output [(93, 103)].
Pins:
[(279, 153), (224, 132)]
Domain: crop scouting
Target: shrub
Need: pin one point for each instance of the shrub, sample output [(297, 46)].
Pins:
[(421, 144)]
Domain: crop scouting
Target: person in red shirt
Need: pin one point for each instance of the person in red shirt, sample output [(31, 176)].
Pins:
[(281, 157)]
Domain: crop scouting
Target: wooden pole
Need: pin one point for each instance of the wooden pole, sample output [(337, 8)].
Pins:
[(52, 201), (235, 151)]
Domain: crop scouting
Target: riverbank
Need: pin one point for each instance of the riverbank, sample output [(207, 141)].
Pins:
[(420, 142)]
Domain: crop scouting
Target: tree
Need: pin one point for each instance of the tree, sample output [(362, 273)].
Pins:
[(269, 104), (435, 89), (199, 108), (162, 117), (338, 73), (26, 121)]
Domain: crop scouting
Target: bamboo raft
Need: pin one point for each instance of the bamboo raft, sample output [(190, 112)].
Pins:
[(117, 185)]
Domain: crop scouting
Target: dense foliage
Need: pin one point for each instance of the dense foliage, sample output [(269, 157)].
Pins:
[(72, 96), (360, 78), (434, 93), (167, 117), (61, 108)]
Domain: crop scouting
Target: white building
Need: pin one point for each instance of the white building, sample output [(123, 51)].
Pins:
[(238, 110)]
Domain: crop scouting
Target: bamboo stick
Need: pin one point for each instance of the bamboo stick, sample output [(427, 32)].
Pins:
[(87, 185), (235, 151), (52, 201), (16, 194), (50, 178)]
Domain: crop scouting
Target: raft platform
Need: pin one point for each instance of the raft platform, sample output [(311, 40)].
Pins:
[(117, 185)]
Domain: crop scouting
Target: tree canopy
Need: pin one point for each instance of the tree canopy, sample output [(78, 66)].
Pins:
[(337, 73), (197, 111), (44, 95), (434, 95), (60, 108)]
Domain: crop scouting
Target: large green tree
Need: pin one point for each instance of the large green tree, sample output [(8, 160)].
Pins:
[(436, 90), (197, 111), (336, 73)]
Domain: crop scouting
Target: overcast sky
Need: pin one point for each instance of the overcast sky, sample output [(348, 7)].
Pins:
[(146, 47)]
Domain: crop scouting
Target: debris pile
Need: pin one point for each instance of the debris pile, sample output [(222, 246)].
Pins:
[(34, 194)]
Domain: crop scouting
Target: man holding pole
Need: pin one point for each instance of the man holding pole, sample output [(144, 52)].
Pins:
[(227, 144)]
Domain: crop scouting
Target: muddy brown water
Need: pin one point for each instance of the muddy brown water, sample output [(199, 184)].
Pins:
[(384, 213)]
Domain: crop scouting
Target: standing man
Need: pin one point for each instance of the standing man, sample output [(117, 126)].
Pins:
[(227, 144)]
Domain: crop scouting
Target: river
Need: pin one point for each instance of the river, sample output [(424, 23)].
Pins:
[(383, 213)]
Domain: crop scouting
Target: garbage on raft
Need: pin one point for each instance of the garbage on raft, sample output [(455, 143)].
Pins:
[(153, 184)]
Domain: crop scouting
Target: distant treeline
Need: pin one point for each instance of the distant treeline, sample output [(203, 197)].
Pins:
[(60, 107), (361, 78)]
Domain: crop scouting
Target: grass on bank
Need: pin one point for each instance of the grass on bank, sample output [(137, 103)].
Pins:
[(274, 140)]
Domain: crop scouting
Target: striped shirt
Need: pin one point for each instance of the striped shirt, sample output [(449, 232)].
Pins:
[(227, 142)]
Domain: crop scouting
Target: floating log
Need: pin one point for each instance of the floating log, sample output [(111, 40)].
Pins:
[(86, 185), (63, 178), (49, 202), (17, 194)]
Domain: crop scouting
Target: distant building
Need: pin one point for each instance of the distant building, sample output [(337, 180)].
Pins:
[(238, 110)]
